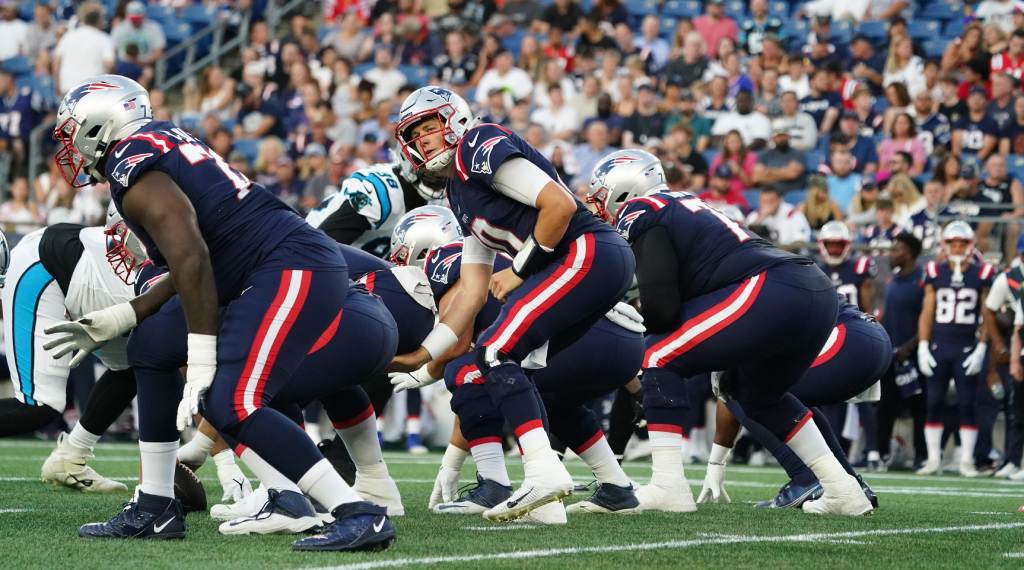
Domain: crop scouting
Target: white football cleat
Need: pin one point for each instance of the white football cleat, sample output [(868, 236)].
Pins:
[(967, 469), (669, 497), (67, 467), (844, 498), (244, 508), (929, 468), (546, 481), (549, 514), (285, 512), (381, 491), (1018, 476)]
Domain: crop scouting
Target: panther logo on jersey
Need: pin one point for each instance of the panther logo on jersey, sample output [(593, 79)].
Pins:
[(481, 163), (443, 268), (123, 170)]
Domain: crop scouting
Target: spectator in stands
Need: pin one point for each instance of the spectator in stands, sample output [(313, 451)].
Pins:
[(558, 119), (767, 97), (386, 77), (495, 111), (782, 165), (753, 126), (864, 64), (561, 14), (552, 74), (220, 141), (13, 31), (610, 11), (968, 201), (922, 224), (216, 93), (1013, 136), (505, 76), (784, 223), (322, 184), (595, 148), (975, 135), (817, 207), (380, 126), (1011, 61), (271, 149), (585, 102), (950, 104), (678, 145), (561, 157), (740, 161), (794, 77), (1002, 189), (843, 182), (865, 201), (591, 37), (348, 39), (946, 173), (716, 103), (17, 213), (903, 137), (456, 65), (287, 186), (804, 135), (66, 205), (899, 102), (129, 65), (42, 32), (21, 109), (690, 65), (906, 200), (260, 113), (879, 233), (85, 51), (137, 29), (933, 128), (715, 25), (998, 12), (686, 114), (719, 191), (821, 103), (1000, 108), (966, 48), (646, 122), (652, 47), (902, 66), (755, 28), (865, 155)]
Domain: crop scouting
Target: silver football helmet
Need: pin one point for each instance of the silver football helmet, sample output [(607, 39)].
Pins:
[(94, 114), (621, 176), (420, 230), (957, 230), (125, 252), (5, 258), (835, 233), (453, 116), (428, 185)]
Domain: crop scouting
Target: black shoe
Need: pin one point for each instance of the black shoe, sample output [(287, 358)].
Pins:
[(792, 495), (334, 450), (147, 516), (867, 491), (476, 498), (356, 526), (608, 498)]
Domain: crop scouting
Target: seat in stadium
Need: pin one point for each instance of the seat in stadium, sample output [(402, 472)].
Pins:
[(159, 13), (876, 30), (416, 75), (681, 8), (753, 198), (640, 8), (1015, 163), (941, 10), (19, 66), (795, 197), (924, 29)]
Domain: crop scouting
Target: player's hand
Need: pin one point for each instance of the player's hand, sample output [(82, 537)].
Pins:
[(925, 361), (202, 366), (446, 487), (975, 361), (418, 378), (90, 332), (626, 317), (503, 283), (409, 361), (234, 483), (714, 485)]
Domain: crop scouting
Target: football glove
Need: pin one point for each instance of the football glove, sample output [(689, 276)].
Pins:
[(925, 361), (202, 366), (975, 361), (234, 483), (418, 378), (90, 332)]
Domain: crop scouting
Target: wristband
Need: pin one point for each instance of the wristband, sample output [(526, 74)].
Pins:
[(423, 376), (124, 317), (202, 349), (439, 340), (532, 257)]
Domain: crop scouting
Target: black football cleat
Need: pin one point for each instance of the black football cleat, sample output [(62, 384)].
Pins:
[(356, 526), (868, 492), (792, 495), (147, 516)]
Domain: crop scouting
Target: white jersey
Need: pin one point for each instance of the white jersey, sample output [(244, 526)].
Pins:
[(94, 286), (376, 194)]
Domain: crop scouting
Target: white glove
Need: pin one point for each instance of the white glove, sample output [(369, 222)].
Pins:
[(90, 332), (236, 486), (714, 485), (925, 361), (446, 487), (975, 361), (418, 378), (202, 366), (626, 317)]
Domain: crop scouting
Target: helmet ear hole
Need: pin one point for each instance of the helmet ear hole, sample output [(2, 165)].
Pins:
[(94, 132)]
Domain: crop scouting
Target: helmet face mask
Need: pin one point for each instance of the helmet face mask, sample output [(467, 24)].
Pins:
[(451, 116), (125, 252), (69, 160), (835, 243)]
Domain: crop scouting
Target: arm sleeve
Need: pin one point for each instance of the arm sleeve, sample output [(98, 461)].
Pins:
[(521, 180), (475, 252), (345, 224), (657, 277), (998, 294)]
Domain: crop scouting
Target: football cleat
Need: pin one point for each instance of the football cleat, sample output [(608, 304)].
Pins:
[(670, 498), (334, 450), (244, 508), (967, 469), (146, 516), (532, 495), (608, 498), (1007, 471), (476, 498), (1018, 476), (356, 526), (929, 468), (414, 445), (792, 495), (285, 512), (549, 514), (380, 490), (868, 491), (66, 467), (844, 498), (874, 463)]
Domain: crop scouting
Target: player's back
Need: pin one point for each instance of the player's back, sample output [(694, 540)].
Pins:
[(408, 299), (958, 299), (375, 193), (443, 266), (712, 250), (241, 222)]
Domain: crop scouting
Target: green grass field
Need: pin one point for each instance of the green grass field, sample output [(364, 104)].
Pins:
[(938, 522)]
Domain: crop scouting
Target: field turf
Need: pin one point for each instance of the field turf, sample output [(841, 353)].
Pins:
[(923, 523)]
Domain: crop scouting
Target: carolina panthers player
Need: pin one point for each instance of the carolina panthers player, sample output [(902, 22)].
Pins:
[(948, 347), (228, 243), (371, 200), (716, 297), (568, 268)]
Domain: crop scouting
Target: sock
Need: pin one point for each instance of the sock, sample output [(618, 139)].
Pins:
[(326, 487), (313, 431), (666, 454), (933, 439), (833, 442), (81, 440), (197, 450), (809, 445), (598, 455), (158, 459), (360, 437), (968, 439), (489, 459), (271, 478), (412, 425), (532, 437)]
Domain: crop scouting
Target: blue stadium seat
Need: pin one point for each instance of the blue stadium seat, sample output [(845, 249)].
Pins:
[(1015, 163), (753, 198), (778, 9), (736, 9), (924, 29), (20, 66), (668, 26), (842, 26), (681, 8), (641, 8), (198, 15), (416, 75), (795, 197), (249, 147), (954, 28), (941, 10), (176, 31), (876, 30), (160, 14), (933, 48), (512, 41), (362, 68)]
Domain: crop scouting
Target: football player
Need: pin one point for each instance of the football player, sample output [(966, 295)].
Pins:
[(228, 244), (948, 347), (568, 268), (717, 297)]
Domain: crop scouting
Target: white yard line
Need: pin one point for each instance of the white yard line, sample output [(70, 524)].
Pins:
[(500, 527), (667, 545), (4, 511), (1014, 555)]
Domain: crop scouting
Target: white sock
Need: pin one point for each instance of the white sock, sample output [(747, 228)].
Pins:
[(265, 472), (197, 450), (933, 441), (599, 457), (324, 485), (158, 459), (968, 439), (81, 440), (809, 445), (412, 425), (666, 455), (532, 437), (313, 431), (490, 460), (360, 437)]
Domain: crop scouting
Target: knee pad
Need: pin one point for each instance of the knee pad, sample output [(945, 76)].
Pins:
[(502, 377), (663, 389)]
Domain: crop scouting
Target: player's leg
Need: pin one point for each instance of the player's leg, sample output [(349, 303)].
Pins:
[(967, 400), (666, 407), (1015, 429), (936, 384), (413, 409)]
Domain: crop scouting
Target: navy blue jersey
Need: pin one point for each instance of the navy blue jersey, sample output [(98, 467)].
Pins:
[(977, 205), (934, 132), (713, 251), (148, 275), (20, 113), (973, 138), (413, 319), (817, 106), (443, 266), (241, 222), (958, 299), (361, 262), (904, 296), (849, 275), (923, 226), (877, 237), (498, 221)]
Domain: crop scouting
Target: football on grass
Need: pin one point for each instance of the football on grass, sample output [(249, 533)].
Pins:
[(188, 489)]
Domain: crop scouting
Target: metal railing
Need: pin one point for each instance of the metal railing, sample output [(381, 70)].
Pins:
[(219, 48)]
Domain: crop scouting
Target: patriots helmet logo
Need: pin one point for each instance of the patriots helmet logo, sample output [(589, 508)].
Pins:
[(442, 93), (606, 166), (72, 98), (410, 221)]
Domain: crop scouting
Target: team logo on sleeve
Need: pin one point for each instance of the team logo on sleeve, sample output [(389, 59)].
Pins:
[(481, 163), (123, 170), (626, 221), (443, 268)]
